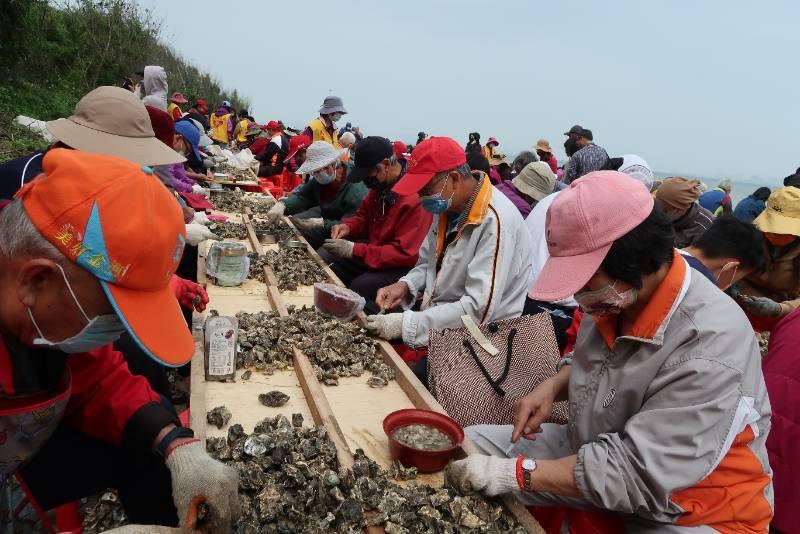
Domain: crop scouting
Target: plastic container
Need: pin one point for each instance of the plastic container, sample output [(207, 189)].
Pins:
[(227, 263), (336, 301), (424, 461)]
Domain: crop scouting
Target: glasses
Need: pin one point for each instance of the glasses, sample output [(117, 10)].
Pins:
[(428, 189)]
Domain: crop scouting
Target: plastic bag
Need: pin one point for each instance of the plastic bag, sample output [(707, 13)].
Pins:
[(338, 302), (227, 263)]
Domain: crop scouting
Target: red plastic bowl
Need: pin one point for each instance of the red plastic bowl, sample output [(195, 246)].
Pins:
[(424, 461)]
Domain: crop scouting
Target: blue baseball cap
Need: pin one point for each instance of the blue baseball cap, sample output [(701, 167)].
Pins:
[(190, 133)]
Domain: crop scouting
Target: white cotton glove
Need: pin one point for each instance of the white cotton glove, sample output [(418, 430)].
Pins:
[(200, 217), (309, 225), (339, 247), (198, 190), (276, 211), (389, 326), (198, 478), (144, 529), (490, 475), (197, 233)]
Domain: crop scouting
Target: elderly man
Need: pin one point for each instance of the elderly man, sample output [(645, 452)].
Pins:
[(476, 258), (323, 128), (380, 243), (677, 198), (668, 409), (589, 157), (72, 281)]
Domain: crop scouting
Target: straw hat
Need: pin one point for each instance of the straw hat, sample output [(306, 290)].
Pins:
[(319, 155), (782, 215), (536, 180), (544, 146)]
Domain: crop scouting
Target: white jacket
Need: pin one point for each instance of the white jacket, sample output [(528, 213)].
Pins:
[(485, 270)]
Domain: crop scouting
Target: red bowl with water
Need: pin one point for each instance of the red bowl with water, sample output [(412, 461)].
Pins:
[(425, 461)]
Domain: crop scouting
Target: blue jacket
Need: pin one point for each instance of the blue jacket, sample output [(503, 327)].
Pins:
[(717, 201), (749, 208)]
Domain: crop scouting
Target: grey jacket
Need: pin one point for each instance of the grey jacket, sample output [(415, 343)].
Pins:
[(485, 271), (670, 422)]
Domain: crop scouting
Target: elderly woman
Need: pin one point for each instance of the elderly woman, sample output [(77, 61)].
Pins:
[(668, 409), (325, 199), (535, 182), (677, 198)]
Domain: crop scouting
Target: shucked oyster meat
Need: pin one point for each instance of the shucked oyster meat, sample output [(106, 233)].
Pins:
[(423, 437), (290, 481), (336, 349)]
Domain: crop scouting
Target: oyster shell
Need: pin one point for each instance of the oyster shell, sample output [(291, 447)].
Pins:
[(290, 481), (229, 230), (218, 417), (273, 399), (336, 349)]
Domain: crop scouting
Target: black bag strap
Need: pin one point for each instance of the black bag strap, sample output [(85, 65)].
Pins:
[(494, 383)]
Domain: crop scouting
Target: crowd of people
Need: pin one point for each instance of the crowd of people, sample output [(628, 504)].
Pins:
[(655, 290)]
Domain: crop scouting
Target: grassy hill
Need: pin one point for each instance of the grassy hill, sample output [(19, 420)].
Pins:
[(54, 52)]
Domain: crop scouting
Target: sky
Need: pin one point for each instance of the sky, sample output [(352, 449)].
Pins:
[(698, 87)]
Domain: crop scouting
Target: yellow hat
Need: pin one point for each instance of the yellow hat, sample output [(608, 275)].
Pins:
[(782, 215)]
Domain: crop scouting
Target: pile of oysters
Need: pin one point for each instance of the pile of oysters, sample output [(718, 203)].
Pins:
[(229, 230), (290, 481), (335, 348), (293, 267)]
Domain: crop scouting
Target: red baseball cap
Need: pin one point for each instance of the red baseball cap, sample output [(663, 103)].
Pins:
[(433, 155), (118, 221), (201, 104), (274, 126), (296, 144), (582, 224), (400, 149)]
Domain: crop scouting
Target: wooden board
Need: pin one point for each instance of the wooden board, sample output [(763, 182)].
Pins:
[(352, 412), (241, 398)]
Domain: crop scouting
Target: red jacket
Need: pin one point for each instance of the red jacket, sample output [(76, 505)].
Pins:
[(782, 374), (106, 401), (394, 230)]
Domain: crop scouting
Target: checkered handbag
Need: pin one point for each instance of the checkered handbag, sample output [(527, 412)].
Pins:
[(475, 387)]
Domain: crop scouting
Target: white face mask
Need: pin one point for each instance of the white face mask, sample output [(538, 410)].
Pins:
[(98, 332), (335, 117)]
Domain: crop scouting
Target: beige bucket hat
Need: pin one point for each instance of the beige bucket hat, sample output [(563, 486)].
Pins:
[(110, 120), (536, 180)]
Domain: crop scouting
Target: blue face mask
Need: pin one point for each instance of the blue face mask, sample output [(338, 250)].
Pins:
[(436, 204), (324, 178), (98, 332)]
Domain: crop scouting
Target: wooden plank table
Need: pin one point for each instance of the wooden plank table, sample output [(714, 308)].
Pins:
[(351, 421)]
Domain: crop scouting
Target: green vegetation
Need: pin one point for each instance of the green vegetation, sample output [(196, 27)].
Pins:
[(54, 52)]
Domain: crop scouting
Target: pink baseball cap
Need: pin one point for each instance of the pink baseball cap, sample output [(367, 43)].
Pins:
[(582, 224)]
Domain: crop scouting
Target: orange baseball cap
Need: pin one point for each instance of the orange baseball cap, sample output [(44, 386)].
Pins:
[(118, 221)]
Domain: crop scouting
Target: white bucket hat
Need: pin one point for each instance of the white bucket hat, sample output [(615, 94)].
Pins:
[(637, 168), (319, 155)]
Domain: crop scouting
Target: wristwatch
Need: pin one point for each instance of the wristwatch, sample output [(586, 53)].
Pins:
[(528, 467)]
